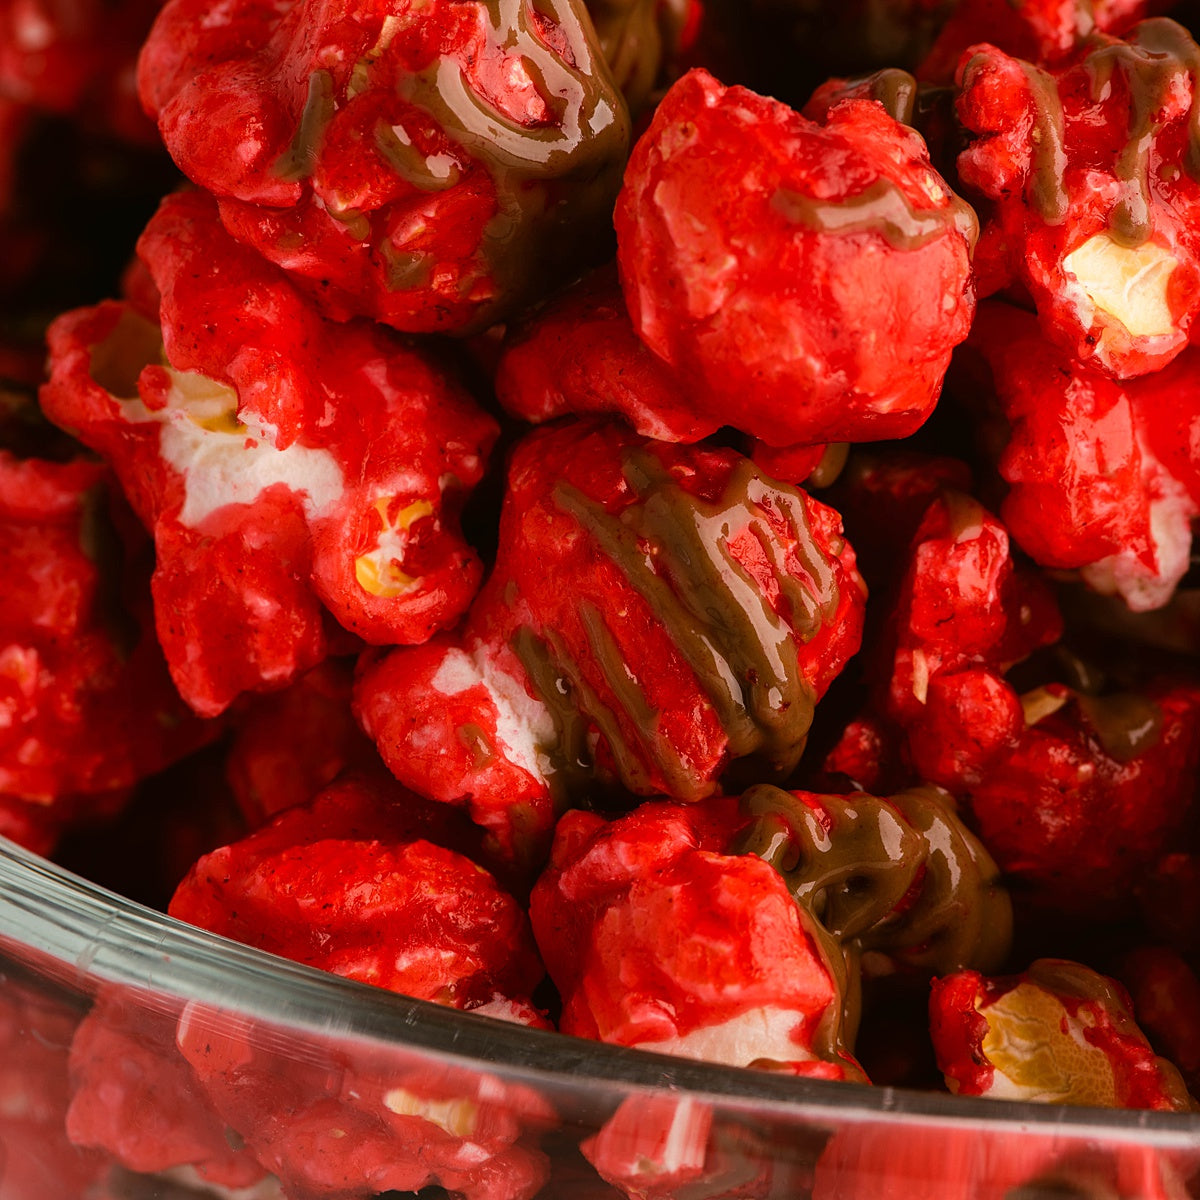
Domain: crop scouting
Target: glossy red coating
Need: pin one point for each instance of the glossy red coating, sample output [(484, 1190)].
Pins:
[(291, 470), (429, 165), (657, 937), (287, 746), (1092, 794), (350, 883), (88, 707), (1104, 476), (1088, 172), (963, 615), (607, 649), (581, 356), (1041, 31), (808, 282)]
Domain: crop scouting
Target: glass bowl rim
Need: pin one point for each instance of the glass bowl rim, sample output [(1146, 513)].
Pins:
[(94, 937)]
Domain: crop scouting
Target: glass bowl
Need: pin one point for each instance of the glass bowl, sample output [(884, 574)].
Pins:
[(206, 1068)]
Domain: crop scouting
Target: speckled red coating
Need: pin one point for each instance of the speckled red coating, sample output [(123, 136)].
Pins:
[(808, 282), (1104, 476), (613, 632), (428, 165), (1096, 145), (88, 707), (255, 556)]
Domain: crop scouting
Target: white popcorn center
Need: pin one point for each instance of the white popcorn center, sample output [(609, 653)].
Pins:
[(225, 462), (1129, 283)]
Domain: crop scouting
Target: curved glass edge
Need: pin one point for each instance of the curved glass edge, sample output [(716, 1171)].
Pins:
[(94, 937)]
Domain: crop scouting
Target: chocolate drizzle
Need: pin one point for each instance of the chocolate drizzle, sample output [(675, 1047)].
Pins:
[(1048, 191), (1158, 51), (880, 208), (1127, 724), (582, 149), (896, 90), (903, 876), (673, 549)]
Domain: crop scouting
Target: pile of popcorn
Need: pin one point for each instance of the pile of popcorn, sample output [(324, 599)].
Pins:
[(653, 560)]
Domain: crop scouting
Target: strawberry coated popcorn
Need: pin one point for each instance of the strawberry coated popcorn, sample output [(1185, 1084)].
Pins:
[(963, 615), (432, 166), (76, 59), (87, 708), (657, 937), (1093, 792), (1103, 474), (292, 471), (807, 282), (655, 613), (349, 883), (1059, 1033), (397, 909), (1088, 172), (733, 931)]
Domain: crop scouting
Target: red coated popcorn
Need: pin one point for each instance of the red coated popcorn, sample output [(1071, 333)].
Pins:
[(289, 745), (348, 883), (1093, 792), (1058, 1033), (581, 356), (38, 1158), (290, 469), (899, 878), (87, 708), (1090, 169), (1041, 31), (428, 165), (655, 612), (964, 614), (1104, 475), (808, 282), (334, 1122), (76, 57), (657, 937)]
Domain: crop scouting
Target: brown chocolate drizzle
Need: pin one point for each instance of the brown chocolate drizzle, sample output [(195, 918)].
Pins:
[(1127, 724), (298, 161), (1048, 191), (896, 90), (672, 547), (1156, 53), (902, 876), (880, 208), (584, 149), (636, 36)]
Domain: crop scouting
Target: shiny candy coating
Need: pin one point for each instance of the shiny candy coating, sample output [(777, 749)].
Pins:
[(655, 612), (1059, 1033), (273, 455), (432, 166), (807, 281), (1090, 166)]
